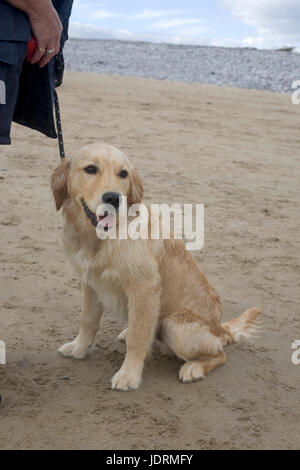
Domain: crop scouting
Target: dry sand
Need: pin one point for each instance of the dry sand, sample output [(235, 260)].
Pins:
[(236, 151)]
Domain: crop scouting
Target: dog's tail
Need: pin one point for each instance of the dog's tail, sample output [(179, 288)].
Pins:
[(245, 327)]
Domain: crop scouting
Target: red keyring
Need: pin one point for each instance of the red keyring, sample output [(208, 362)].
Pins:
[(31, 47)]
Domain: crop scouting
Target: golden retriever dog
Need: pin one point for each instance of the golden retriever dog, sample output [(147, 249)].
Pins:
[(156, 284)]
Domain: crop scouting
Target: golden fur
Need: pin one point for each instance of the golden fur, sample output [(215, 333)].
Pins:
[(156, 284)]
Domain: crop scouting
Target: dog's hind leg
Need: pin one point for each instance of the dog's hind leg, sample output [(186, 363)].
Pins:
[(197, 369), (89, 325), (190, 339)]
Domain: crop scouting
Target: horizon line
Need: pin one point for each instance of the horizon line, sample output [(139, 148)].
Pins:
[(287, 49)]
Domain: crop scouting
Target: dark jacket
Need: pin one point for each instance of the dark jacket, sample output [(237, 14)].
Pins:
[(34, 107)]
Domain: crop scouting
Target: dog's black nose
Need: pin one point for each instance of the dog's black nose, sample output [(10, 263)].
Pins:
[(112, 198)]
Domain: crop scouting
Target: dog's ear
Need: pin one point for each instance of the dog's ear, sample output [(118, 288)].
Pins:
[(59, 183), (136, 189)]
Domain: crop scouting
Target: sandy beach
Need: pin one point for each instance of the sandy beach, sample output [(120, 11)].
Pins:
[(237, 152)]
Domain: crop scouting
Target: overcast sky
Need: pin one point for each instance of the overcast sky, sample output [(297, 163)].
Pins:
[(254, 23)]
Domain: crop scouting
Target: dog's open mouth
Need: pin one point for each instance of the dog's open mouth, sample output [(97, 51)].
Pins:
[(90, 215), (106, 220)]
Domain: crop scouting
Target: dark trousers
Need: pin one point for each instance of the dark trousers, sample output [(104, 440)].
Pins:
[(10, 76)]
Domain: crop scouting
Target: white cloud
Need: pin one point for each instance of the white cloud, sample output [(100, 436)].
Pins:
[(101, 15), (171, 24), (151, 14), (90, 31), (277, 22), (88, 10)]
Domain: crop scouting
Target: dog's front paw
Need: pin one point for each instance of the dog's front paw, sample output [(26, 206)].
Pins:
[(126, 380), (74, 349)]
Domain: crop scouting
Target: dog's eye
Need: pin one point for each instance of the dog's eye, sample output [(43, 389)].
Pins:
[(123, 174), (91, 169)]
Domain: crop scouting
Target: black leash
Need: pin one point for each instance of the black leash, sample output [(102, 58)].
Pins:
[(58, 127), (59, 66)]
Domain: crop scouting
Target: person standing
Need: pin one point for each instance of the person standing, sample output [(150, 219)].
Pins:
[(28, 86)]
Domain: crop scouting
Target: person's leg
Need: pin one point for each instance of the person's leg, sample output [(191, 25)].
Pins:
[(9, 87)]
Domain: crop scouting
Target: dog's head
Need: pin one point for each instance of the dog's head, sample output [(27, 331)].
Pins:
[(98, 174)]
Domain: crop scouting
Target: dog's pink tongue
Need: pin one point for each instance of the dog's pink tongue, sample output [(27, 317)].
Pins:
[(107, 221)]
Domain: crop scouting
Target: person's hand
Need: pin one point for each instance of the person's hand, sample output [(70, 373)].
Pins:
[(47, 28), (45, 25)]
